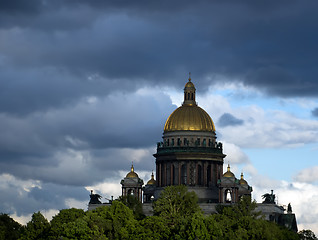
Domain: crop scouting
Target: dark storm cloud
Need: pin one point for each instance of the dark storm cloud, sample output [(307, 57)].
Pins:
[(70, 72), (22, 201), (228, 119), (89, 135), (270, 46)]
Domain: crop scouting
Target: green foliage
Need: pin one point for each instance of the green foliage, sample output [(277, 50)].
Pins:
[(38, 228), (176, 203), (9, 229), (135, 205), (64, 217), (178, 216), (243, 208), (307, 235), (153, 228), (115, 222)]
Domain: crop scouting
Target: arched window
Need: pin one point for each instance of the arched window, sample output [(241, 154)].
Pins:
[(228, 196), (192, 96), (175, 170), (168, 174), (184, 174), (199, 175), (162, 175), (209, 179)]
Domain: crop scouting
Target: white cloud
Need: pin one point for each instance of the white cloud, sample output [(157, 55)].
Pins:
[(308, 175), (262, 128)]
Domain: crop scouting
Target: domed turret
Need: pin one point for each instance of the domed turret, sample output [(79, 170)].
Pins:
[(242, 180), (152, 181), (228, 174), (132, 174)]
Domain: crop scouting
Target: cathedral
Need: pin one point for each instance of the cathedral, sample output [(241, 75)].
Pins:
[(190, 155)]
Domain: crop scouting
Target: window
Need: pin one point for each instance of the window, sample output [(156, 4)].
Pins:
[(184, 174)]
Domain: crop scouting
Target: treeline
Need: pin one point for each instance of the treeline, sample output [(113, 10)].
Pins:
[(176, 216)]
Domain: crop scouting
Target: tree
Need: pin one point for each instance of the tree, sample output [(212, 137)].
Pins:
[(9, 229), (153, 228), (245, 207), (134, 204), (175, 204), (307, 235), (64, 217), (37, 228)]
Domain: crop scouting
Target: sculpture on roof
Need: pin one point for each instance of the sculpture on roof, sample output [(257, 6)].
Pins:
[(269, 197), (95, 198)]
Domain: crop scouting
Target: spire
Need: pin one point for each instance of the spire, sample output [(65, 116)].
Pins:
[(242, 176), (189, 77), (228, 167), (132, 166)]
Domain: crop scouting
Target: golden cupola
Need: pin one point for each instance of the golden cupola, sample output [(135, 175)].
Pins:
[(228, 174), (152, 181), (132, 173), (242, 180), (189, 117)]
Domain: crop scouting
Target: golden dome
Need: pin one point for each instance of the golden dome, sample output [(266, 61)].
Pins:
[(228, 174), (189, 117), (189, 84), (132, 174), (242, 181), (152, 181)]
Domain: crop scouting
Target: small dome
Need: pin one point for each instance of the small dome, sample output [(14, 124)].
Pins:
[(228, 174), (152, 181), (189, 84), (132, 174), (242, 181)]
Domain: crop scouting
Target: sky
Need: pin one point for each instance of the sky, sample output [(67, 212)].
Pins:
[(86, 87)]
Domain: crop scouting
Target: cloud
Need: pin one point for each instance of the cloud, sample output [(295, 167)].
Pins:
[(23, 197), (228, 119), (77, 145), (308, 175), (54, 49), (302, 196)]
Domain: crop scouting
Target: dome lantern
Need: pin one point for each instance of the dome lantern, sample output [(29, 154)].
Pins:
[(189, 93)]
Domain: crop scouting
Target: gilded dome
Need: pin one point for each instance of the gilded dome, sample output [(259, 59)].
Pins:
[(189, 84), (228, 174), (152, 181), (242, 181), (189, 117), (132, 174)]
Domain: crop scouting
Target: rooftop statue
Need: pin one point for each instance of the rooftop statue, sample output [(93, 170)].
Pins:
[(269, 198), (95, 198)]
